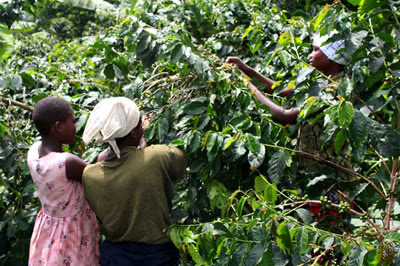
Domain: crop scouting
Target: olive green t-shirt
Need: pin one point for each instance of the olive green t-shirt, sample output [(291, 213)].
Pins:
[(132, 195)]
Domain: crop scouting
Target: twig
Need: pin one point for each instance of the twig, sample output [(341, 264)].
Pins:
[(318, 202), (380, 156), (369, 108), (395, 229), (16, 103), (345, 169), (393, 180)]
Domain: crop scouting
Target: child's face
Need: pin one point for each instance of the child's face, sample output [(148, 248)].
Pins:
[(69, 130)]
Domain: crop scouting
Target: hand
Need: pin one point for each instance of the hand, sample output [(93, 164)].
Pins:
[(234, 60)]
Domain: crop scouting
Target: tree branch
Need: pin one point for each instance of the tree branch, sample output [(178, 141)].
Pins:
[(393, 180), (344, 169), (369, 108), (16, 103)]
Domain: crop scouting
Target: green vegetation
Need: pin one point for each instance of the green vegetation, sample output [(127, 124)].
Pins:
[(244, 201)]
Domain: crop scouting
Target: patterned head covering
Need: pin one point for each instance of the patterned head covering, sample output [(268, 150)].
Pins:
[(330, 49), (110, 119)]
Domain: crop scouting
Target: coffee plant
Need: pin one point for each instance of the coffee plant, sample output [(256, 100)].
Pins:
[(245, 199)]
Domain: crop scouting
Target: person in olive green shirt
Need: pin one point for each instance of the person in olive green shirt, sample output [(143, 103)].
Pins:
[(131, 189)]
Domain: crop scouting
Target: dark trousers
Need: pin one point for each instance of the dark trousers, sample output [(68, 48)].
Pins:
[(132, 253)]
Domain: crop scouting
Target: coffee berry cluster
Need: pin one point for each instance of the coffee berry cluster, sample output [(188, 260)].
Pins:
[(344, 207), (325, 202)]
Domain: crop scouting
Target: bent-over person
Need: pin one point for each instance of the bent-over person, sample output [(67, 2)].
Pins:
[(131, 190)]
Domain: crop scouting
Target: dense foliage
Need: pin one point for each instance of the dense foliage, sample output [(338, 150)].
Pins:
[(244, 200)]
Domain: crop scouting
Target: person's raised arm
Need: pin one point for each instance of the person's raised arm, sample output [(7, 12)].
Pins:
[(74, 167), (251, 72), (280, 115), (254, 74)]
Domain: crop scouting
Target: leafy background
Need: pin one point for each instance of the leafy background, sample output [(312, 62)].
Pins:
[(244, 201)]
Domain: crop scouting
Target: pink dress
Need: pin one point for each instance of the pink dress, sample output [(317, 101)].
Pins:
[(66, 230)]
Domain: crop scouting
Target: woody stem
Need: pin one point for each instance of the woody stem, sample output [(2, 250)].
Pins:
[(393, 180)]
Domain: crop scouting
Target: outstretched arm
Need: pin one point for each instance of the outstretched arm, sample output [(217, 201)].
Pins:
[(74, 167), (280, 115), (254, 74)]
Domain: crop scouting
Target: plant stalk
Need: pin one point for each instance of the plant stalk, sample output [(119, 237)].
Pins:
[(393, 180), (16, 103)]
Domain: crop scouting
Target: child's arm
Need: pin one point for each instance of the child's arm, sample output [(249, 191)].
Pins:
[(74, 167), (254, 74)]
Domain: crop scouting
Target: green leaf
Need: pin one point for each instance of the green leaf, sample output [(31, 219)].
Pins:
[(345, 247), (357, 255), (283, 238), (260, 184), (358, 128), (212, 138), (303, 75), (118, 71), (328, 242), (394, 236), (271, 194), (195, 108), (345, 88), (176, 143), (81, 121), (267, 257), (284, 56), (177, 53), (369, 5), (359, 188), (257, 160), (143, 44), (173, 233), (339, 141), (238, 150), (229, 143), (163, 128), (27, 79), (194, 253), (195, 142), (255, 255), (302, 240), (17, 82), (203, 121), (221, 229), (276, 166), (345, 114), (356, 2), (241, 122), (316, 87), (149, 133), (11, 230), (304, 215), (252, 144), (375, 64), (320, 17), (247, 31), (238, 254), (109, 71)]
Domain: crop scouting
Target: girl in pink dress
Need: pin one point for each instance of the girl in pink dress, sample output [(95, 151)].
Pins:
[(66, 230)]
